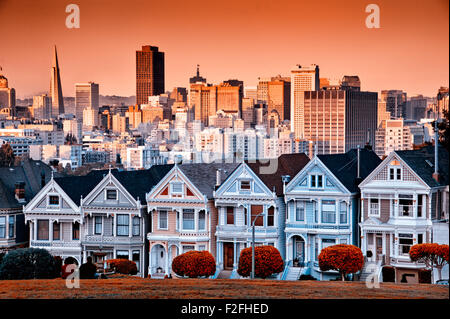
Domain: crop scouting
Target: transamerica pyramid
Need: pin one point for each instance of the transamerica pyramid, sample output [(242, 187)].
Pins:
[(55, 88)]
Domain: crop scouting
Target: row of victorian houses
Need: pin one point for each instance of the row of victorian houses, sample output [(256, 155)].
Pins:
[(297, 204)]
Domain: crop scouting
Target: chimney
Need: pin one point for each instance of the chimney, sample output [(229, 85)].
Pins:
[(218, 178), (436, 153), (20, 191)]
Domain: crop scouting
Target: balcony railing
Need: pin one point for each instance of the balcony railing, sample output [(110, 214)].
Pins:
[(55, 244), (98, 239)]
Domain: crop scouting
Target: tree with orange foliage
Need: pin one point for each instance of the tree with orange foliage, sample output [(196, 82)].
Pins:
[(268, 261), (194, 264), (347, 259), (431, 254)]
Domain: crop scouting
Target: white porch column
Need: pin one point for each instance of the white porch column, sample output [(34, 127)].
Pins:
[(130, 226), (35, 222), (319, 210), (234, 254), (415, 201), (196, 220), (217, 253), (114, 225), (31, 230), (149, 259), (84, 256), (384, 243), (50, 230)]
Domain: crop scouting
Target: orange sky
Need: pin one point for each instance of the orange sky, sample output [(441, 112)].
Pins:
[(241, 39)]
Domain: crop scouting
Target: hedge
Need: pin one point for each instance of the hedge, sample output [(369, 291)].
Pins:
[(28, 263), (123, 266), (194, 264), (268, 261)]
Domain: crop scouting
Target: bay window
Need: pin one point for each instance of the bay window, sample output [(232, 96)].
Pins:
[(136, 226), (123, 225), (188, 219)]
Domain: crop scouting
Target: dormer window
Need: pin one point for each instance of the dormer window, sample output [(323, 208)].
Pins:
[(177, 188), (245, 185), (53, 200), (395, 171), (316, 181), (111, 194)]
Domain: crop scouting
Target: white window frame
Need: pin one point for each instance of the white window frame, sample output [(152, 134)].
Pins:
[(101, 225), (316, 181), (396, 168), (183, 219), (110, 199), (159, 219), (297, 204), (174, 192), (53, 206), (204, 214), (370, 207), (244, 189)]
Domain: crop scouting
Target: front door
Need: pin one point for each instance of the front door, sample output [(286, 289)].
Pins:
[(299, 250), (379, 247), (228, 255)]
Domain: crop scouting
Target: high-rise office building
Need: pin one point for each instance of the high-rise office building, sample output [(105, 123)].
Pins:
[(197, 78), (303, 78), (279, 98), (442, 101), (416, 107), (42, 107), (86, 96), (395, 102), (55, 88), (229, 96), (339, 120), (149, 73)]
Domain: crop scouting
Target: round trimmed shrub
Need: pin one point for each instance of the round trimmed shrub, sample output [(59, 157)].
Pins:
[(268, 261), (194, 264), (123, 266), (346, 259), (28, 263)]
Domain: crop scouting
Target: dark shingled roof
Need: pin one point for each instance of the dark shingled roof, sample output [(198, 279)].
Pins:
[(417, 160), (138, 182), (28, 172), (203, 175), (77, 186), (287, 164), (344, 166)]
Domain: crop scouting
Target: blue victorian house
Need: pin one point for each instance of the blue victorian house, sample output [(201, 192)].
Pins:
[(322, 209)]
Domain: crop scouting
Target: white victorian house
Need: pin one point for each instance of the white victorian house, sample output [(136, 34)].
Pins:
[(254, 189), (54, 216), (402, 200)]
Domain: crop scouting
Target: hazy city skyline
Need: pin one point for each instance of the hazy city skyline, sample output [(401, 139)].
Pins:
[(231, 40)]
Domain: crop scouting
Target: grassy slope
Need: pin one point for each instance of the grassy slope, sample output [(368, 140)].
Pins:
[(217, 288)]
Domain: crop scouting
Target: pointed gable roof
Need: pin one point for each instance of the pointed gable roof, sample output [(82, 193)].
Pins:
[(344, 166), (421, 161), (288, 164), (28, 172), (203, 175), (137, 182), (77, 186)]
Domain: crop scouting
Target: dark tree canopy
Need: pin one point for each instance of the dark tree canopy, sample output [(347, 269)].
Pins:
[(6, 155)]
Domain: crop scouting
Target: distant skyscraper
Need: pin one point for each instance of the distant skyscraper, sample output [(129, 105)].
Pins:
[(197, 78), (149, 73), (7, 96), (302, 79), (339, 120), (55, 88), (86, 96), (42, 107), (279, 98), (442, 101), (395, 102)]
